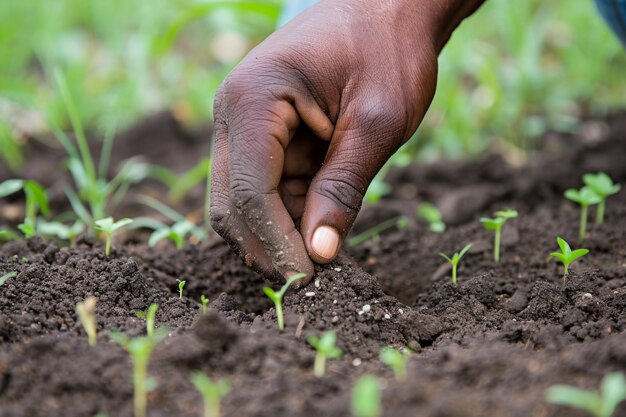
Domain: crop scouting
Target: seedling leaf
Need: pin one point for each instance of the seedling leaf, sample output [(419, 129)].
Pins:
[(4, 278), (366, 397)]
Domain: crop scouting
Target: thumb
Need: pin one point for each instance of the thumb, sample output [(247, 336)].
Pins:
[(361, 144)]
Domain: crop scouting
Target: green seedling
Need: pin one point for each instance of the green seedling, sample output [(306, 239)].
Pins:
[(399, 222), (176, 233), (277, 298), (326, 349), (140, 349), (603, 186), (4, 278), (109, 227), (585, 197), (212, 392), (181, 285), (205, 302), (567, 255), (7, 235), (396, 360), (432, 215), (366, 397), (61, 231), (36, 202), (496, 225), (599, 404), (456, 258), (86, 311), (150, 317)]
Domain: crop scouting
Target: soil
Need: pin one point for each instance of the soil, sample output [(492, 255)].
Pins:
[(489, 346)]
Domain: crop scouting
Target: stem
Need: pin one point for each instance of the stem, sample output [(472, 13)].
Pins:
[(91, 337), (107, 250), (565, 270), (453, 274), (279, 315), (139, 381), (320, 365), (211, 409), (600, 213), (583, 223), (496, 246)]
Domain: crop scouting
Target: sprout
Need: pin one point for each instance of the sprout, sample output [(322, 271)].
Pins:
[(373, 233), (140, 349), (432, 215), (4, 278), (61, 231), (585, 197), (277, 298), (181, 285), (177, 233), (151, 318), (567, 256), (456, 258), (396, 360), (600, 404), (212, 392), (604, 187), (109, 227), (366, 397), (496, 225), (205, 301), (36, 201), (326, 349), (86, 311)]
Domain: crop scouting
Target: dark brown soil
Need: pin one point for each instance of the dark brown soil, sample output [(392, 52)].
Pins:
[(490, 346)]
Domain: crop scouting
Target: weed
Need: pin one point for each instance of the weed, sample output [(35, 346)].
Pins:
[(585, 197), (212, 392), (36, 201), (456, 258), (277, 298), (366, 397), (600, 404), (86, 311), (4, 278), (396, 360), (181, 285), (567, 256), (205, 302), (373, 233), (496, 225), (109, 227), (326, 349), (604, 187), (432, 215)]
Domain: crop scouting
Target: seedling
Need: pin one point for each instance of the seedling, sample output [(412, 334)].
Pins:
[(86, 311), (36, 201), (600, 404), (432, 215), (366, 397), (181, 285), (140, 349), (149, 316), (176, 233), (326, 349), (604, 187), (373, 233), (4, 278), (205, 301), (61, 231), (585, 197), (567, 256), (212, 392), (456, 258), (277, 298), (496, 225), (109, 227), (396, 360)]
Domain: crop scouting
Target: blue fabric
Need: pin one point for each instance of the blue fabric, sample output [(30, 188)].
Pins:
[(614, 12), (292, 8)]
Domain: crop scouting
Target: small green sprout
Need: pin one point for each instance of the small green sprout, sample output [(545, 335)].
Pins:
[(140, 349), (150, 317), (205, 301), (181, 285), (396, 360), (432, 215), (326, 349), (4, 278), (456, 258), (109, 227), (604, 187), (277, 298), (366, 397), (399, 222), (600, 404), (567, 256), (36, 201), (86, 311), (496, 225), (176, 233), (61, 231), (585, 197), (212, 392)]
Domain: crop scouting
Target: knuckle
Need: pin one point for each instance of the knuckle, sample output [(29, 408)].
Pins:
[(382, 115), (342, 190), (220, 219), (243, 190)]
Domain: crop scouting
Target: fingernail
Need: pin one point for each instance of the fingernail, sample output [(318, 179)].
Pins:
[(325, 242)]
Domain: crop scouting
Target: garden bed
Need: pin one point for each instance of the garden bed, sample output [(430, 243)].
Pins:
[(489, 346)]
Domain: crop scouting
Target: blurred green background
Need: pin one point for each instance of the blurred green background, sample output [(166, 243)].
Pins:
[(512, 71)]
